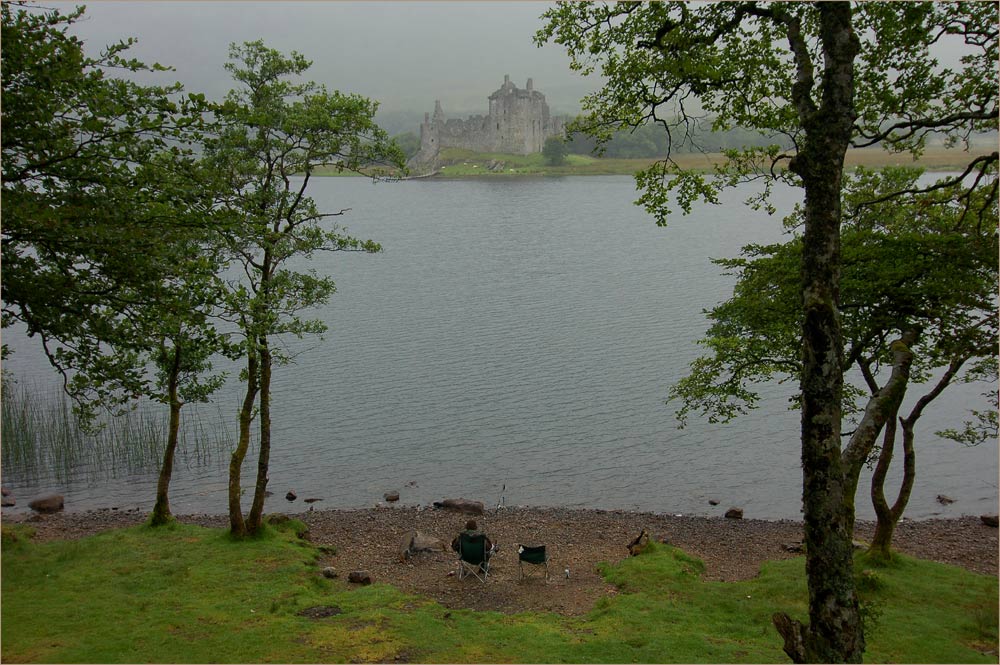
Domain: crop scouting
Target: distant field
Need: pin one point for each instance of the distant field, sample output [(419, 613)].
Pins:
[(457, 163)]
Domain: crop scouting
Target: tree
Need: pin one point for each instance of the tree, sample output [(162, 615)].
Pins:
[(917, 301), (555, 151), (408, 142), (826, 76), (106, 224), (270, 135)]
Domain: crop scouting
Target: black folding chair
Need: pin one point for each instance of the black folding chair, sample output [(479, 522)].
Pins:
[(473, 557), (537, 561)]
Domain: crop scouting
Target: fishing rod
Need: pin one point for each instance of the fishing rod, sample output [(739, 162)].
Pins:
[(502, 501)]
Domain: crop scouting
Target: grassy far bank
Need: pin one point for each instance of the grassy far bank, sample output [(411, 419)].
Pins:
[(459, 163), (190, 594)]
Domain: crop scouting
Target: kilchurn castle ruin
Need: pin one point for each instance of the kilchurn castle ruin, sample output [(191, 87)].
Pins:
[(518, 123)]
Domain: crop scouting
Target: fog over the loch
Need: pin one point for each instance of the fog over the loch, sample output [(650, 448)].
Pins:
[(403, 54)]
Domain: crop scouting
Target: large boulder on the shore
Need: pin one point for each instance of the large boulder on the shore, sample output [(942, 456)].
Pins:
[(359, 577), (4, 491), (418, 541), (735, 513), (461, 506), (48, 503), (990, 520)]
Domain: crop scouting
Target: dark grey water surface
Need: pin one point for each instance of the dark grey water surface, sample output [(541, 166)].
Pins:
[(522, 333)]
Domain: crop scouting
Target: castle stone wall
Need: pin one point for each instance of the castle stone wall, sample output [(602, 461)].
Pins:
[(518, 122)]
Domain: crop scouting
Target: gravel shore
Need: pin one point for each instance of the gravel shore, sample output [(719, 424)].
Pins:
[(577, 541)]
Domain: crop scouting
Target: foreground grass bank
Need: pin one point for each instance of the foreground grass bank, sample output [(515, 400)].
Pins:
[(190, 594)]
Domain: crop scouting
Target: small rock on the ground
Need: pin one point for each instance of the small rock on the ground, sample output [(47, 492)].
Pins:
[(291, 496), (735, 513), (49, 503), (330, 572), (7, 501), (359, 577), (713, 502), (990, 520), (391, 496)]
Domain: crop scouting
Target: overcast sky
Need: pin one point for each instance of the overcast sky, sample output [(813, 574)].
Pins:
[(404, 54)]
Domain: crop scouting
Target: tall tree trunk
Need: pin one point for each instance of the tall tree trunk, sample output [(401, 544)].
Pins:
[(237, 525), (161, 509), (263, 460), (835, 632)]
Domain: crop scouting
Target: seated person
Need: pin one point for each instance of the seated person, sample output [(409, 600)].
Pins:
[(472, 529)]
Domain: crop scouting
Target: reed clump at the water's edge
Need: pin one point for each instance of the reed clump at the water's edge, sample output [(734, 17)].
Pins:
[(43, 436)]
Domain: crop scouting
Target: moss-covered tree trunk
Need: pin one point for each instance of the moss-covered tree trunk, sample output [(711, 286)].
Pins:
[(834, 633), (254, 520), (237, 525), (881, 411), (887, 516), (161, 509)]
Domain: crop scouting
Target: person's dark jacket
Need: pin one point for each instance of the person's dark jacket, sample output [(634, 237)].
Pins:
[(467, 532)]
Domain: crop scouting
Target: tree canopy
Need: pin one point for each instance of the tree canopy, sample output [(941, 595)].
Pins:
[(94, 173), (918, 307), (825, 77), (269, 136), (128, 206)]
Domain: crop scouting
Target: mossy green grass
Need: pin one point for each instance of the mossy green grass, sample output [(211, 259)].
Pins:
[(188, 594)]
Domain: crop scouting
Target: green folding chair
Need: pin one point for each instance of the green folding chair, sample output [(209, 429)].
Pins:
[(473, 557), (537, 561)]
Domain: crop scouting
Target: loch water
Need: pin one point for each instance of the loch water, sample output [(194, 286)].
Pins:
[(516, 341)]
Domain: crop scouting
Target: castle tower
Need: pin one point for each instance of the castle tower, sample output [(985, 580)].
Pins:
[(518, 122)]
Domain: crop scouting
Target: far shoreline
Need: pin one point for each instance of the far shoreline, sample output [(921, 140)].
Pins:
[(471, 166), (276, 504)]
